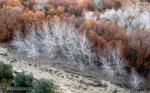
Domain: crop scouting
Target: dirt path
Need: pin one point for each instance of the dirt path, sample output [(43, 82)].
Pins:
[(68, 82)]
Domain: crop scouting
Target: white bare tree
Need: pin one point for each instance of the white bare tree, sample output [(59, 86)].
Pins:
[(129, 18), (98, 3), (31, 43), (90, 15), (74, 47), (135, 79), (57, 39), (18, 41), (107, 67), (40, 5), (27, 43), (113, 62)]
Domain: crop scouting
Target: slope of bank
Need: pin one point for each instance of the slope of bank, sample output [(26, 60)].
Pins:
[(67, 82)]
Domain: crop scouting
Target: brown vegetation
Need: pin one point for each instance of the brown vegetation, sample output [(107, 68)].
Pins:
[(5, 34), (137, 51)]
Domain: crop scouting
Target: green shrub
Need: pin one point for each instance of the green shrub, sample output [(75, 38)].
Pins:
[(22, 80), (6, 74), (42, 86)]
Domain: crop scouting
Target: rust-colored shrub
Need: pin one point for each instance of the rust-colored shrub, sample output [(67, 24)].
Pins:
[(106, 29), (9, 17), (86, 4), (110, 31), (137, 51), (72, 7), (109, 4), (1, 3), (88, 24), (30, 18), (104, 33), (76, 21), (59, 10), (28, 3), (58, 2), (12, 3), (5, 35), (98, 42)]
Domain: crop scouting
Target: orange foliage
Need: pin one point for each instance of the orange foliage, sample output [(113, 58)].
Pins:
[(86, 4), (28, 3), (59, 10), (137, 51), (1, 3), (12, 3), (9, 17), (106, 29), (5, 35), (73, 8), (98, 42), (88, 24), (109, 4), (110, 31), (103, 33), (30, 18), (59, 2), (76, 21)]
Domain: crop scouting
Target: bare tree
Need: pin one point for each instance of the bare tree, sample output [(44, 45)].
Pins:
[(113, 62), (31, 42), (40, 5), (17, 41), (128, 17), (75, 48), (57, 39), (135, 79), (90, 15), (98, 3)]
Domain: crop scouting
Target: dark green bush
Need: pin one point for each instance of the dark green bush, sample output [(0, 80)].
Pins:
[(6, 74), (22, 80), (42, 86)]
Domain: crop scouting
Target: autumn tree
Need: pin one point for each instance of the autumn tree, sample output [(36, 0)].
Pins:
[(5, 35), (9, 21), (107, 4), (30, 18), (28, 3), (12, 3), (1, 3), (137, 52)]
